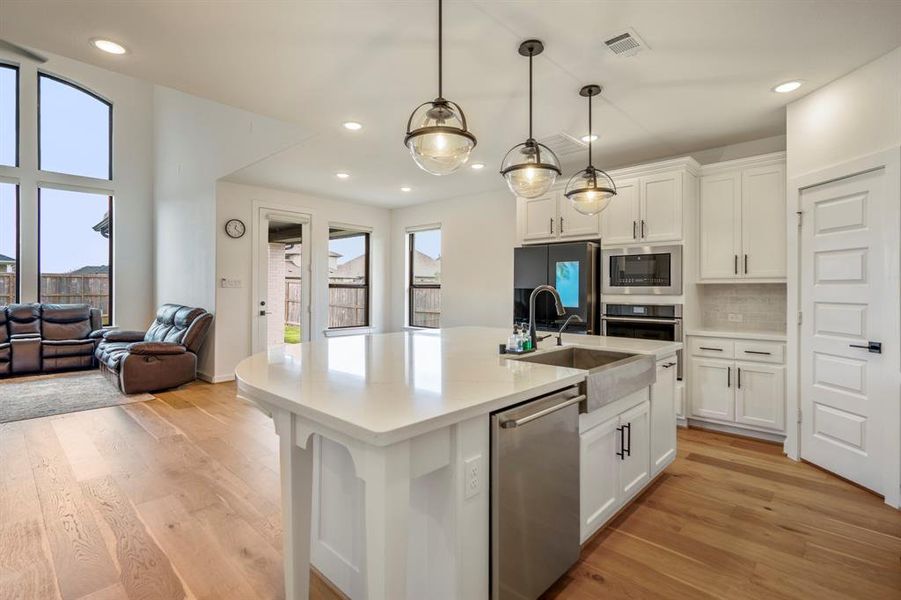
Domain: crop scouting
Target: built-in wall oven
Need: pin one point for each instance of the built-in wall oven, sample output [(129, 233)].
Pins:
[(644, 321), (653, 270)]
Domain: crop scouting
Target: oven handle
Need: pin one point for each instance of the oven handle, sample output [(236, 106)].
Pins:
[(640, 320)]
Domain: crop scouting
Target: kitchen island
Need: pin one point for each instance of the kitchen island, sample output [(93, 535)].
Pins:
[(399, 427)]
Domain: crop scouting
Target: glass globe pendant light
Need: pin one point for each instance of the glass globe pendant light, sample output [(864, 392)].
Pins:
[(437, 136), (590, 190), (530, 168)]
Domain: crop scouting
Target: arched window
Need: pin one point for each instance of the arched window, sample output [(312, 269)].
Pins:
[(74, 130)]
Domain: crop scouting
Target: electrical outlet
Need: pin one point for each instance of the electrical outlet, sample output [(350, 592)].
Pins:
[(472, 478), (736, 317)]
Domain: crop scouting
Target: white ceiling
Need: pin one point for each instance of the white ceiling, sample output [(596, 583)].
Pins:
[(704, 82)]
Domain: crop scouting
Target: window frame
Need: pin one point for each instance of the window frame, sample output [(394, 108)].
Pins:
[(367, 235), (94, 95), (18, 130), (18, 214), (411, 284), (112, 233)]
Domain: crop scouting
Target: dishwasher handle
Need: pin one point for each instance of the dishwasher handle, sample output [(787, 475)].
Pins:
[(510, 423)]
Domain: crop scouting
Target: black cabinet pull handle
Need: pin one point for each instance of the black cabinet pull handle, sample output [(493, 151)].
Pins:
[(622, 442), (708, 348), (746, 264), (758, 352), (642, 228), (634, 230), (739, 377), (629, 438), (736, 264), (728, 376)]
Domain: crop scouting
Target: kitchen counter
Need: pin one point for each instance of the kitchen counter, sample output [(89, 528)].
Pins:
[(391, 418), (384, 388), (773, 336)]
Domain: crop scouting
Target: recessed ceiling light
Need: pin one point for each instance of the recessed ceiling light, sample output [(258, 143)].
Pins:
[(478, 166), (109, 46), (405, 189), (788, 86), (342, 175), (353, 125), (589, 138)]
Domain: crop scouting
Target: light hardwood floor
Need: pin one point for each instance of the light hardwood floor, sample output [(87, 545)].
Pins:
[(179, 497)]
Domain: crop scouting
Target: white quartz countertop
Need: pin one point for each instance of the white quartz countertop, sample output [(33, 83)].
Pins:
[(383, 388), (741, 335)]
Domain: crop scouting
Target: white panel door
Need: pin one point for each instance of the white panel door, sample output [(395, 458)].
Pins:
[(661, 208), (572, 223), (760, 395), (635, 470), (846, 300), (619, 221), (539, 217), (663, 415), (599, 483), (712, 394), (720, 225), (763, 236)]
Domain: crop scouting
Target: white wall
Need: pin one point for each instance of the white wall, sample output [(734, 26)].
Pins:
[(235, 308), (131, 187), (477, 237), (197, 142), (853, 116)]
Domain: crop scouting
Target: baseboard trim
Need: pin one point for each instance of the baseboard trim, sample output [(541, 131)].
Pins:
[(215, 379), (739, 431)]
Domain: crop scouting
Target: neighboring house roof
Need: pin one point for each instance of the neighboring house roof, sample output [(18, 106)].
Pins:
[(91, 270), (352, 270), (6, 260), (426, 267), (103, 226)]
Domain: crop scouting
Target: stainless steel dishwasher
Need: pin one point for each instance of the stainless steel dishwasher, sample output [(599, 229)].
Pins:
[(534, 494)]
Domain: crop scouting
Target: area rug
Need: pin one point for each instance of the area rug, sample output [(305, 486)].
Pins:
[(44, 395)]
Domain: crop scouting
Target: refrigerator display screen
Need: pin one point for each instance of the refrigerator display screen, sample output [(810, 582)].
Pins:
[(567, 282)]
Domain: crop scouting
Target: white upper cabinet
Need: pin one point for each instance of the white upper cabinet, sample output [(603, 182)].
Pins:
[(538, 216), (648, 208), (619, 221), (741, 220), (661, 208), (763, 234), (573, 224), (719, 227)]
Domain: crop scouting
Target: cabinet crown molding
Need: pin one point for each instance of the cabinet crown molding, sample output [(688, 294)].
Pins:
[(761, 160)]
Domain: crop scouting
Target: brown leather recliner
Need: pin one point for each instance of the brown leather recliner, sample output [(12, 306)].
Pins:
[(48, 337), (163, 357)]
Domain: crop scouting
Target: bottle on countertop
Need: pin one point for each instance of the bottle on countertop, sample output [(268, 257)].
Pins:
[(513, 340), (526, 343)]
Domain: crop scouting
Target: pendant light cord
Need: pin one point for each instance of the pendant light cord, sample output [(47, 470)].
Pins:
[(589, 133), (440, 41), (530, 95)]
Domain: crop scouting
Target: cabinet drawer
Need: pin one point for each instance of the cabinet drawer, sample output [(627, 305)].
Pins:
[(770, 352), (712, 347)]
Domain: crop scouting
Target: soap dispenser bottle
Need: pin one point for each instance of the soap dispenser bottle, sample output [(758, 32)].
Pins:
[(513, 340)]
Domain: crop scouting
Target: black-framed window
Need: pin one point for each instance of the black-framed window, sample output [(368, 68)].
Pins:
[(75, 249), (348, 278), (75, 129), (9, 115), (9, 243), (424, 266)]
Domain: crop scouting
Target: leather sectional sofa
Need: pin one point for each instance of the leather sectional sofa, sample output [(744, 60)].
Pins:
[(164, 356), (36, 338)]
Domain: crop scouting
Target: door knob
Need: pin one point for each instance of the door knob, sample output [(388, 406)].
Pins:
[(874, 347)]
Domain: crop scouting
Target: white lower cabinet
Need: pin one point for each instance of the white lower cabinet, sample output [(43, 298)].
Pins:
[(616, 455), (743, 389), (760, 395), (663, 415), (711, 389)]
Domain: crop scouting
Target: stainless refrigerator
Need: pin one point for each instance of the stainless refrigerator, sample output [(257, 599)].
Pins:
[(574, 269)]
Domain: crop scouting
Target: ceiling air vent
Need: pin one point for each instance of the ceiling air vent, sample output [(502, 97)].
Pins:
[(626, 43), (563, 144)]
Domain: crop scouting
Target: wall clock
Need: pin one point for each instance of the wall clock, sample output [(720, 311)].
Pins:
[(235, 228)]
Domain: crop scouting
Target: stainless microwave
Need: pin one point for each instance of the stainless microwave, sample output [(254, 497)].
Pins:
[(654, 270)]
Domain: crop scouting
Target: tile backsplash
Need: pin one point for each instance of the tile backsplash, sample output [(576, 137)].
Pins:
[(743, 306)]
